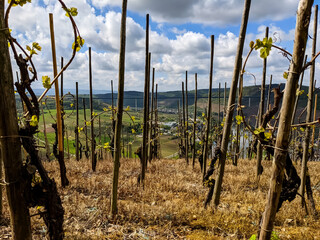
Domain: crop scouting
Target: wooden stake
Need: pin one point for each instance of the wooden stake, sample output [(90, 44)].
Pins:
[(219, 111), (100, 149), (299, 89), (45, 135), (157, 126), (286, 113), (237, 143), (0, 185), (306, 142), (195, 119), (184, 120), (260, 116), (93, 141), (145, 106), (61, 104), (314, 127), (269, 93), (85, 128), (76, 131), (68, 148), (64, 179), (180, 129), (225, 99), (151, 131), (148, 112), (114, 196), (231, 101), (205, 154), (187, 120)]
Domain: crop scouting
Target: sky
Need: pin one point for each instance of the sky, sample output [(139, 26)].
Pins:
[(180, 32)]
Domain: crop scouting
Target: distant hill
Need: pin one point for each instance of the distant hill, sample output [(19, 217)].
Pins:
[(38, 92), (168, 101)]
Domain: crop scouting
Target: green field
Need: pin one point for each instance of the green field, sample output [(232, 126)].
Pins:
[(168, 146)]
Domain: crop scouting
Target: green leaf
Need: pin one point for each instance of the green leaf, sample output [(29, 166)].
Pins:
[(268, 135), (71, 11), (19, 2), (239, 119), (79, 44), (46, 82), (274, 236), (258, 130), (264, 52), (299, 93), (285, 75), (36, 45), (34, 121), (264, 46), (253, 237), (251, 45)]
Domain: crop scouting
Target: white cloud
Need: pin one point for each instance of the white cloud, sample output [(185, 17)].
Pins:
[(217, 12), (177, 31), (171, 57)]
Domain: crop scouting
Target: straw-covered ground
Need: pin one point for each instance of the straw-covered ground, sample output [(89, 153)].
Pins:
[(171, 204)]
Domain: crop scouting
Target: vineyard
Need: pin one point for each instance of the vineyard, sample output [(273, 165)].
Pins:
[(228, 162)]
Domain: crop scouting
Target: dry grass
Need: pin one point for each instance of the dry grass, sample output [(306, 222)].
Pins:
[(171, 204)]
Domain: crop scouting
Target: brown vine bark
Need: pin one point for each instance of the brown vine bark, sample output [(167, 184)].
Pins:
[(281, 155), (114, 197), (10, 143)]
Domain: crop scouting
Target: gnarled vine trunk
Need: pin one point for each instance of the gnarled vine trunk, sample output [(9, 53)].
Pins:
[(10, 143)]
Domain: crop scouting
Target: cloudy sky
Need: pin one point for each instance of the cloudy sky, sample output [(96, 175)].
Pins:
[(180, 33)]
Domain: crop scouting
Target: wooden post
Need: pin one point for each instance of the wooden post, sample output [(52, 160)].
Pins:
[(184, 121), (100, 142), (61, 104), (279, 160), (113, 121), (225, 99), (45, 134), (64, 179), (130, 150), (1, 181), (306, 142), (187, 121), (145, 106), (151, 131), (237, 143), (77, 123), (123, 145), (299, 89), (260, 116), (157, 126), (180, 129), (231, 101), (85, 128), (205, 154), (114, 196), (148, 112), (195, 119), (314, 127), (269, 93), (93, 141), (11, 146), (219, 111), (68, 148)]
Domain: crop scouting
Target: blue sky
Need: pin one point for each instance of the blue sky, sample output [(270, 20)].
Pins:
[(179, 39)]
